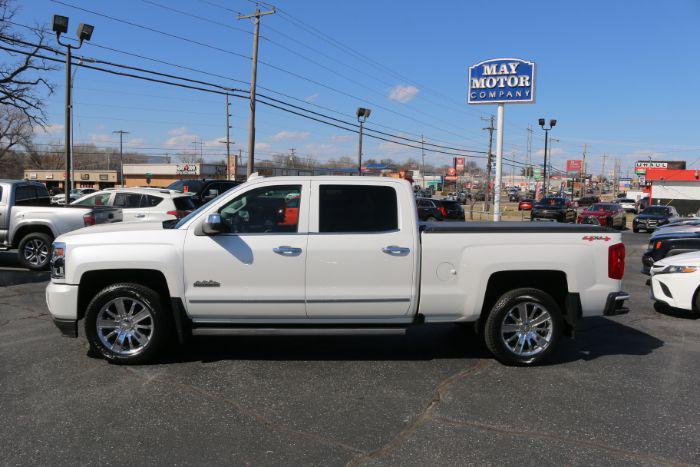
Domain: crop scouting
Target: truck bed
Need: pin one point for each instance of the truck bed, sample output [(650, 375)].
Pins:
[(510, 227)]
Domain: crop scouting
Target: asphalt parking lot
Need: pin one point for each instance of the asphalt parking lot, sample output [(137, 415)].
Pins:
[(625, 391)]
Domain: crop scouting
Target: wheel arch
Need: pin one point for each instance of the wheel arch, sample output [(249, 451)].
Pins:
[(92, 282), (24, 230), (552, 282)]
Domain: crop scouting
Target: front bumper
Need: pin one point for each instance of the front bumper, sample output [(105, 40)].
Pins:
[(615, 304), (68, 327), (62, 301)]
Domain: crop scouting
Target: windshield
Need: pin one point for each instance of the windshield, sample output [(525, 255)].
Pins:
[(656, 210), (601, 207), (189, 186), (551, 202)]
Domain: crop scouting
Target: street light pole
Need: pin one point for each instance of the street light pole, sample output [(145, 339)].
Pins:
[(84, 32), (552, 123), (362, 115), (121, 154)]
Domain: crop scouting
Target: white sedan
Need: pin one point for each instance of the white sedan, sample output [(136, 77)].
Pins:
[(675, 281)]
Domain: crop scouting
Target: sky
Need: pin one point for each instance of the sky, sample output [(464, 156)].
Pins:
[(619, 76)]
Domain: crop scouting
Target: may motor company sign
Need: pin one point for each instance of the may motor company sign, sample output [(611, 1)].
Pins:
[(502, 80)]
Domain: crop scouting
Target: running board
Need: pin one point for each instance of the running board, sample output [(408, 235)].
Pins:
[(294, 331)]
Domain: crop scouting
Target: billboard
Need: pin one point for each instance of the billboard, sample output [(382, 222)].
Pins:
[(459, 164), (640, 167), (502, 80), (573, 167)]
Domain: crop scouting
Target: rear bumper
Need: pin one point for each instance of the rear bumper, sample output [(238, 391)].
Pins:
[(615, 304)]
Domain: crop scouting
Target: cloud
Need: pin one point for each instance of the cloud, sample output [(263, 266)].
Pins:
[(403, 94), (342, 138), (135, 142), (323, 150), (282, 135), (101, 138), (551, 152), (262, 146), (312, 97), (180, 138), (50, 129)]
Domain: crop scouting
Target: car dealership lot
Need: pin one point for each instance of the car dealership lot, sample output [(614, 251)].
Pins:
[(625, 391)]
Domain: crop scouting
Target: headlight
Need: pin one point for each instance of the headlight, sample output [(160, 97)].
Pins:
[(58, 260), (677, 269)]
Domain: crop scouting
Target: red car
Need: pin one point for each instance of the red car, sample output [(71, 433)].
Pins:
[(525, 205), (606, 214), (291, 211)]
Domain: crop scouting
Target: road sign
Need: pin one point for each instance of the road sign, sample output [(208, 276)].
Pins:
[(451, 171), (502, 80)]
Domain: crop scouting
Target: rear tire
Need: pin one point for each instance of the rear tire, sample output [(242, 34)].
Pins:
[(525, 339), (34, 251), (127, 323)]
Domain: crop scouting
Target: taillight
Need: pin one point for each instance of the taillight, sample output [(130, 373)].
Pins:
[(89, 219), (616, 261), (658, 245), (177, 213), (442, 211)]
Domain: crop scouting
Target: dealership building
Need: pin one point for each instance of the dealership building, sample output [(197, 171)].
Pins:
[(677, 188), (81, 178)]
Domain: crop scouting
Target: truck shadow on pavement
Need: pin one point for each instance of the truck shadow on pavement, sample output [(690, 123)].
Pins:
[(11, 273), (597, 338)]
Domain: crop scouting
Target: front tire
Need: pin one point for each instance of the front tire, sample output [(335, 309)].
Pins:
[(127, 323), (34, 251), (523, 327)]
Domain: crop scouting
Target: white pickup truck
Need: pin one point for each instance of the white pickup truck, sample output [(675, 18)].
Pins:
[(330, 255), (29, 223)]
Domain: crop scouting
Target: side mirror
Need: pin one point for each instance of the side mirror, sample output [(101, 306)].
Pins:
[(213, 225)]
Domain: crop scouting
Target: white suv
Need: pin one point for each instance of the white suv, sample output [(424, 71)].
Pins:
[(142, 204)]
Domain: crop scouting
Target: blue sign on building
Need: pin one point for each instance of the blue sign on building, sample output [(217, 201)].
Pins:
[(502, 80)]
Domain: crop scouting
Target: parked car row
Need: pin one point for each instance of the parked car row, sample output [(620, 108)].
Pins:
[(433, 210)]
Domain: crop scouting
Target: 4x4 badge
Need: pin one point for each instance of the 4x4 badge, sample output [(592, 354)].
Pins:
[(206, 284), (590, 238)]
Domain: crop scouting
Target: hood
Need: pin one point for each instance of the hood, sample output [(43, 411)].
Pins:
[(596, 213), (116, 227), (685, 259), (676, 231)]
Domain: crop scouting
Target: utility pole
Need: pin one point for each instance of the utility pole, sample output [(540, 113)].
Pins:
[(422, 156), (529, 155), (231, 176), (121, 153), (487, 192), (602, 176), (254, 75), (583, 168)]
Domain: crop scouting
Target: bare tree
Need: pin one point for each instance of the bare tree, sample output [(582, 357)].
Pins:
[(22, 77), (15, 130)]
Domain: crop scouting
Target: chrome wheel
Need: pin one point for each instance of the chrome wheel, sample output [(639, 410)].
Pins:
[(527, 329), (125, 325), (36, 252)]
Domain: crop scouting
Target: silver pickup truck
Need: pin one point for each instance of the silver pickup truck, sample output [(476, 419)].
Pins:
[(29, 223)]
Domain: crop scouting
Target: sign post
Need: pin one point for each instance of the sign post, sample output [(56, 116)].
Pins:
[(501, 81)]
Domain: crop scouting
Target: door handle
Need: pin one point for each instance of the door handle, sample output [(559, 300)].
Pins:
[(140, 215), (287, 250), (396, 250)]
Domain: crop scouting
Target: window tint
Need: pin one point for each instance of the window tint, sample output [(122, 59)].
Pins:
[(24, 193), (100, 199), (184, 203), (148, 201), (127, 200), (263, 210), (357, 208)]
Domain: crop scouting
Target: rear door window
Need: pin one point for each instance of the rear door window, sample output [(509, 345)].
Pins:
[(149, 201), (357, 208), (127, 200)]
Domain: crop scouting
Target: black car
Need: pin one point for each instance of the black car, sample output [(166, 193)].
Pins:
[(450, 209), (428, 210), (553, 208), (203, 190), (671, 244), (587, 201), (654, 216)]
